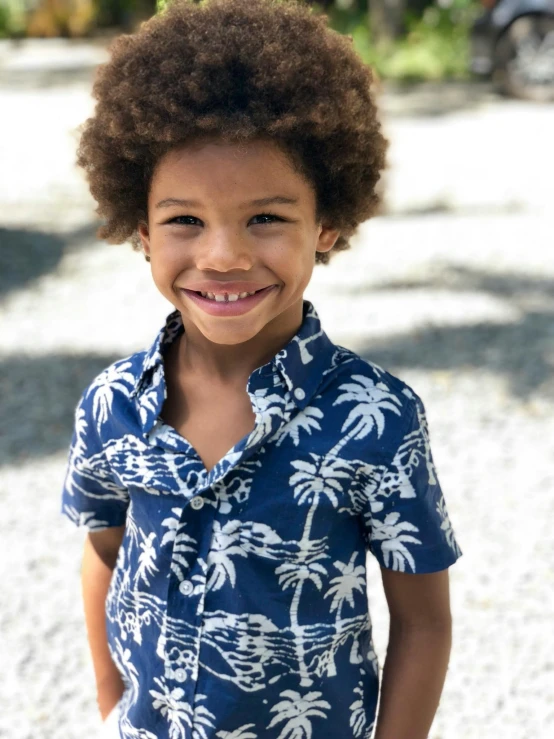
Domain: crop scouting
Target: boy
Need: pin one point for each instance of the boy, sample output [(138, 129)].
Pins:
[(233, 476)]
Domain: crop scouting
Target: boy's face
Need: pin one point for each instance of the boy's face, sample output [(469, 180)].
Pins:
[(226, 219)]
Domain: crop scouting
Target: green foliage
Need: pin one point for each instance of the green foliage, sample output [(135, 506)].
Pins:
[(12, 17), (435, 47)]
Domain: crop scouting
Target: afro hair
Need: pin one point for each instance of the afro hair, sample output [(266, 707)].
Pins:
[(237, 71)]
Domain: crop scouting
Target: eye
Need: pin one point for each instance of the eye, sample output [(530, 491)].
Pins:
[(263, 218), (186, 221)]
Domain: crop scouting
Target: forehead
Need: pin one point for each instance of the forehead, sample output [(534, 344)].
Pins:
[(215, 169)]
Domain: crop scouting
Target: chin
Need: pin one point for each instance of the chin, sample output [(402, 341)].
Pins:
[(228, 336)]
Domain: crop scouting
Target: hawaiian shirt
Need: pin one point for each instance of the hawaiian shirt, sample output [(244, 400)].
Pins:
[(238, 607)]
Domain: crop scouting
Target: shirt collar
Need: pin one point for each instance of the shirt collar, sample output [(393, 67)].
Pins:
[(300, 364), (303, 361)]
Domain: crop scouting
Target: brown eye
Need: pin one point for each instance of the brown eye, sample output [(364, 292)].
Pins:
[(186, 221), (264, 218)]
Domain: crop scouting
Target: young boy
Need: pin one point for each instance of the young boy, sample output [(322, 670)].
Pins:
[(233, 476)]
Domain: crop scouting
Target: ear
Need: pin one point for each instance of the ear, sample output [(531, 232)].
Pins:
[(327, 238), (144, 235)]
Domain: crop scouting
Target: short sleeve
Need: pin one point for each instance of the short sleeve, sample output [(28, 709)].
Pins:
[(91, 496), (405, 519)]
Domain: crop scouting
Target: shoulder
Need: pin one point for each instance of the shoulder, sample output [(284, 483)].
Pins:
[(117, 383), (122, 375), (367, 381)]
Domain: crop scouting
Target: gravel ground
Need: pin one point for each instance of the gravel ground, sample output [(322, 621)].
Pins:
[(451, 289)]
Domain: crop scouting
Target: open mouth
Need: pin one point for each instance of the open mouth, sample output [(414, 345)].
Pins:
[(228, 304), (229, 297)]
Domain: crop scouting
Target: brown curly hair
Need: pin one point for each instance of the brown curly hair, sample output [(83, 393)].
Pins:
[(234, 70)]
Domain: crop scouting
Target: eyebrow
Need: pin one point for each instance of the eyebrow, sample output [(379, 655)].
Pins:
[(276, 200), (261, 202), (168, 202)]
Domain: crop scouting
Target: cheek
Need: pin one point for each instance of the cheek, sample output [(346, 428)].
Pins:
[(167, 256)]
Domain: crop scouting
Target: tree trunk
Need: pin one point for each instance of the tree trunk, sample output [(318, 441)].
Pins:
[(386, 18)]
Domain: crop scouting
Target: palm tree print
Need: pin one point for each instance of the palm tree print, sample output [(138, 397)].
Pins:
[(225, 544), (81, 427), (123, 659), (446, 526), (241, 733), (86, 519), (300, 569), (150, 400), (179, 713), (263, 594), (421, 434), (371, 400), (390, 533), (183, 544), (343, 586), (297, 710), (342, 589), (102, 389), (270, 411), (357, 717), (324, 476), (304, 421), (147, 558)]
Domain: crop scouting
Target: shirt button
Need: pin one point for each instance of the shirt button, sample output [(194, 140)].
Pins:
[(299, 394), (186, 587), (197, 502)]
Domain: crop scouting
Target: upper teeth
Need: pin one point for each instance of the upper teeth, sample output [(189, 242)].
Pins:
[(225, 296)]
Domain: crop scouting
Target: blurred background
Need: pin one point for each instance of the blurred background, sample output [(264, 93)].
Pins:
[(451, 287)]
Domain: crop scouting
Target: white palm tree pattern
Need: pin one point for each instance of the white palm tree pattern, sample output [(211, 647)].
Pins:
[(297, 710), (180, 713), (238, 606), (243, 732), (371, 400), (394, 540), (358, 718), (102, 390), (446, 526), (307, 421), (343, 586)]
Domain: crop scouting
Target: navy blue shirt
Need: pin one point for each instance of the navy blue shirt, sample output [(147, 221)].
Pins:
[(238, 605)]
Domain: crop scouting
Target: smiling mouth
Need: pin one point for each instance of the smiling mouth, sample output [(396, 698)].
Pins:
[(228, 297)]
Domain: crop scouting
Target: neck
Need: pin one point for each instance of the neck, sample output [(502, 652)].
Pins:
[(229, 363)]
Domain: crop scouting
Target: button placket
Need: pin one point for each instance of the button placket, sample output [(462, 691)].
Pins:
[(185, 600)]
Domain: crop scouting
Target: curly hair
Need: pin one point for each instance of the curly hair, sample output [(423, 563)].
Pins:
[(237, 71)]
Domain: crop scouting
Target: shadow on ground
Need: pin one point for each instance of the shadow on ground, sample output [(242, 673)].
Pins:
[(522, 352), (38, 78), (435, 99), (26, 255), (41, 64), (38, 396)]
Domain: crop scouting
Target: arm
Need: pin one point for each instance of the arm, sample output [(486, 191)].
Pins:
[(417, 655), (99, 558)]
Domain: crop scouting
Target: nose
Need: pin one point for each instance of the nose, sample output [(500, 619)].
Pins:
[(223, 250)]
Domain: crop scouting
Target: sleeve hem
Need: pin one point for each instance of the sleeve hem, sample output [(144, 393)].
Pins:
[(423, 567), (77, 518)]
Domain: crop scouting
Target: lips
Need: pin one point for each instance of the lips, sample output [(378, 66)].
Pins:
[(228, 308), (232, 287), (227, 296)]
